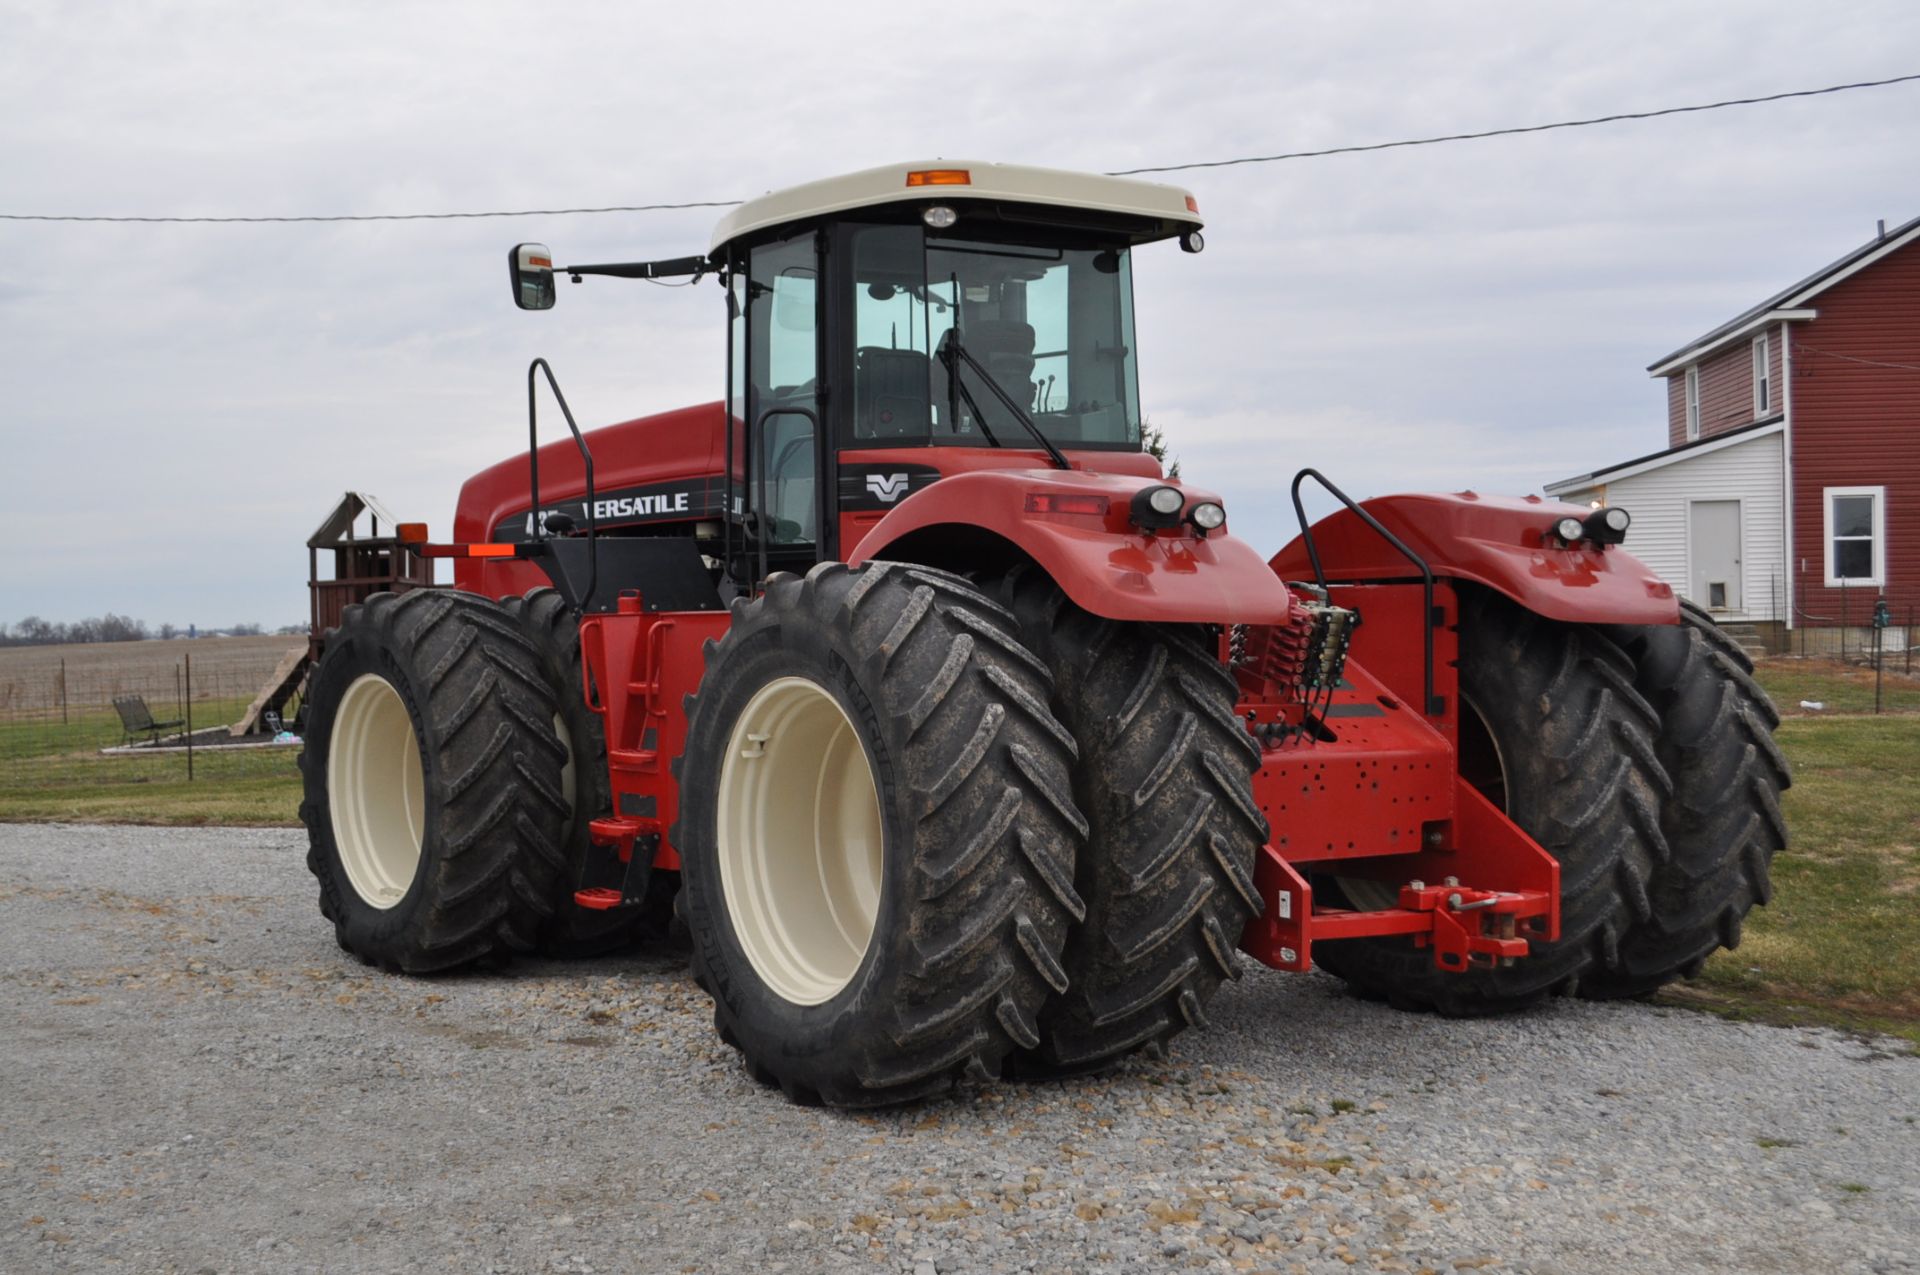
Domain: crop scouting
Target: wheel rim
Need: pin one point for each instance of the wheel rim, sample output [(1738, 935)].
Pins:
[(1481, 765), (376, 790), (800, 840)]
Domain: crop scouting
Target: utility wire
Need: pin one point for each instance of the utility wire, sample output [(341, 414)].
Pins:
[(438, 216), (1799, 346), (1122, 172), (1511, 132)]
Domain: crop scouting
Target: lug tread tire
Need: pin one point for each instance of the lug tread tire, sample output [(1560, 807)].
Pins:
[(974, 788), (1164, 777), (1723, 820), (1583, 779), (483, 717)]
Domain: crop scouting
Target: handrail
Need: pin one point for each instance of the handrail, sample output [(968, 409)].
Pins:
[(539, 529), (1434, 707)]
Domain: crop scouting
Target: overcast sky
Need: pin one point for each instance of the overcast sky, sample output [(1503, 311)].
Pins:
[(181, 405)]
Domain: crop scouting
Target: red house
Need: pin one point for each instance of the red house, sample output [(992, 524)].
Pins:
[(1788, 494)]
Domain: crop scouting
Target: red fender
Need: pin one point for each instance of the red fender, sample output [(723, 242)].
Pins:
[(1497, 541), (1101, 561)]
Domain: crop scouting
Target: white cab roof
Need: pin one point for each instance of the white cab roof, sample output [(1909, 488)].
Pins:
[(1171, 206)]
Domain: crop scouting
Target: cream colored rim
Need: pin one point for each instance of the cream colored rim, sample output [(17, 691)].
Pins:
[(800, 841), (376, 791), (1378, 896)]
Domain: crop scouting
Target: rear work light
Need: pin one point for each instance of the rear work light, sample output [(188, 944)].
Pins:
[(1054, 502), (939, 177)]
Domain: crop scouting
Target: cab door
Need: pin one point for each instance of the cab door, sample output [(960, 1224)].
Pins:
[(777, 360)]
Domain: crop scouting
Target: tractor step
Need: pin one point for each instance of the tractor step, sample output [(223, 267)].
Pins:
[(615, 873)]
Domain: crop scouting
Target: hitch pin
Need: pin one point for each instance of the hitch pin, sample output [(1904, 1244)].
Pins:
[(1453, 901)]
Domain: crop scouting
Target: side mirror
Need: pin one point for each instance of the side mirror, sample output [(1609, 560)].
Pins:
[(532, 268)]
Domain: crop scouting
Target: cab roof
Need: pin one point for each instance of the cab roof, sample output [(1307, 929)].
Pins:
[(1163, 211)]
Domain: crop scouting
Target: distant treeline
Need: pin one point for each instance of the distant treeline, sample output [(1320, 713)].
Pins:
[(34, 631)]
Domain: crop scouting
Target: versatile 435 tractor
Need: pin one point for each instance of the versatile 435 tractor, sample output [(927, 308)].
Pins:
[(969, 741)]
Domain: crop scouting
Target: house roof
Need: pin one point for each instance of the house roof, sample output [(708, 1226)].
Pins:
[(1667, 456), (1782, 304)]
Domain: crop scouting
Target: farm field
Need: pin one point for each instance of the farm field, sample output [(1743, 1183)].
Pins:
[(96, 672)]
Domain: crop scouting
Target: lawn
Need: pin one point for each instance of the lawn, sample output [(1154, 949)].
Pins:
[(52, 771)]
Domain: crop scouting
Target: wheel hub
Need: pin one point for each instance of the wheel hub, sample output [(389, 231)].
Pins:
[(800, 840)]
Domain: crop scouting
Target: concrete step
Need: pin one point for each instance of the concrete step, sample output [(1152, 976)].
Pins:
[(1747, 636)]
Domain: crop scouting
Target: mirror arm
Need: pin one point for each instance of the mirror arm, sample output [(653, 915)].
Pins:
[(672, 268)]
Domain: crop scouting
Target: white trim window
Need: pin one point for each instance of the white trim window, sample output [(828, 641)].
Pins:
[(1762, 377), (1693, 402), (1856, 536)]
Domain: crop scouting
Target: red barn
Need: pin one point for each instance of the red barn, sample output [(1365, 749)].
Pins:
[(1788, 494)]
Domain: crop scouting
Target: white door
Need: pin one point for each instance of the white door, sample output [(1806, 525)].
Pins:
[(1715, 547)]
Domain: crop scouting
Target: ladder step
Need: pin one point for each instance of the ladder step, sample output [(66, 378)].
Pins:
[(599, 899)]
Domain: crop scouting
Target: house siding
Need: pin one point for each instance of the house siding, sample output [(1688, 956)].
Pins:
[(1858, 425), (1726, 390), (1659, 499)]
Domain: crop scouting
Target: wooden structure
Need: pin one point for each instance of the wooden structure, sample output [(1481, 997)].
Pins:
[(363, 563), (289, 676)]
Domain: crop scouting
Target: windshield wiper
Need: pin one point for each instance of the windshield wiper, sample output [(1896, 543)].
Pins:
[(951, 353)]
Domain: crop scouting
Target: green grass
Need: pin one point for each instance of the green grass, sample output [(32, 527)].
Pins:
[(1841, 687), (1840, 943), (53, 772)]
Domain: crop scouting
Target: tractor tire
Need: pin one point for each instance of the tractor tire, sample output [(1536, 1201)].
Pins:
[(1553, 731), (1164, 779), (574, 931), (432, 779), (878, 835), (1723, 820)]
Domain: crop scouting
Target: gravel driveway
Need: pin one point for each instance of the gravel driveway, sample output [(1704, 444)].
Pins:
[(194, 1078)]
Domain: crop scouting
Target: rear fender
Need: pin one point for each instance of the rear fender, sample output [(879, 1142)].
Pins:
[(1102, 562), (1497, 541)]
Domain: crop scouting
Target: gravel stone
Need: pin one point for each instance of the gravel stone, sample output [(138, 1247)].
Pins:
[(196, 1079)]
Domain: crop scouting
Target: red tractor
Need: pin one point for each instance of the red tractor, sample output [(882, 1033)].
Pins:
[(962, 739)]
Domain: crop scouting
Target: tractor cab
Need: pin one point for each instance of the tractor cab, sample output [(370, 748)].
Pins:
[(891, 327)]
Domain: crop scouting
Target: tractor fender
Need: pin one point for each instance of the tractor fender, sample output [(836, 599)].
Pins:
[(1099, 559), (1500, 542)]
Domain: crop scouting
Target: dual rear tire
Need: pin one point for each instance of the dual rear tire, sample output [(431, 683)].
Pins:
[(1643, 760)]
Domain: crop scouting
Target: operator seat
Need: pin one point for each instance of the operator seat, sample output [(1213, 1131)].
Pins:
[(1005, 348), (890, 393)]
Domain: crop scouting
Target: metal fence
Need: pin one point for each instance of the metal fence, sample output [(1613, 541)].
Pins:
[(60, 728)]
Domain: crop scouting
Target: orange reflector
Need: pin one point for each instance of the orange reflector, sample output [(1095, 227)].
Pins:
[(546, 263), (1193, 205), (412, 533), (490, 551), (940, 177), (1056, 502)]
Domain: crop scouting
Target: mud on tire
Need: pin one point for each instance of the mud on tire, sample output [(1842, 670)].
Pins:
[(1164, 778), (432, 782), (1553, 729), (948, 927), (1722, 821)]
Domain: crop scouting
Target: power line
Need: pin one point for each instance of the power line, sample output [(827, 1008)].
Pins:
[(1511, 132), (1122, 172), (435, 216), (1898, 367)]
